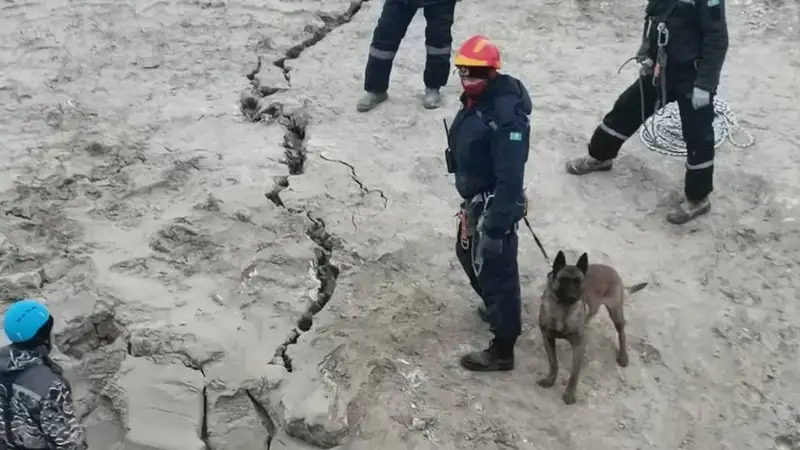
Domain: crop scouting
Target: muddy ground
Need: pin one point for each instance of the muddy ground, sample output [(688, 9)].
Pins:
[(179, 233)]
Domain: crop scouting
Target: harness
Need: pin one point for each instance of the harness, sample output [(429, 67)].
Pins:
[(659, 68)]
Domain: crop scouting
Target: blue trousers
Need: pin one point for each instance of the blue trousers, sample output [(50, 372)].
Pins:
[(497, 283), (390, 31)]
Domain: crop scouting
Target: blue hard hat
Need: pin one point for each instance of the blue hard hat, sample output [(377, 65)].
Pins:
[(23, 319)]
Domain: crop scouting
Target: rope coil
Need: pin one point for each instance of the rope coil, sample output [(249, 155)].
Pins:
[(662, 132)]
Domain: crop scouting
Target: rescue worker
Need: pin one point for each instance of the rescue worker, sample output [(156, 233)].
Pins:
[(395, 18), (683, 48), (487, 151), (36, 410)]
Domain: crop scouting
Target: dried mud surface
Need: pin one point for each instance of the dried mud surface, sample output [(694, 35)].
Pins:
[(239, 260)]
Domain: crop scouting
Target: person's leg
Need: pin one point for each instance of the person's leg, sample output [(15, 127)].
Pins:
[(617, 126), (698, 133), (439, 16), (499, 280), (464, 254), (395, 18)]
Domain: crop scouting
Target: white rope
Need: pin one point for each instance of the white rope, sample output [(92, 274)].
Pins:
[(662, 132)]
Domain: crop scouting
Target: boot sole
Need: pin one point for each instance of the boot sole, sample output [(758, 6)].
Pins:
[(495, 368), (371, 106), (571, 169), (700, 212)]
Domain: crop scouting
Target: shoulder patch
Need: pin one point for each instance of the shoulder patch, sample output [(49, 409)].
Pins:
[(712, 3), (515, 136)]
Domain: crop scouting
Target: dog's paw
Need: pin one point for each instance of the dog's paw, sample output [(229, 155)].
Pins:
[(569, 397), (547, 382), (622, 359)]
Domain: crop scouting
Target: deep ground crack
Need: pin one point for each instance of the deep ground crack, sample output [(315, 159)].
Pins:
[(204, 421), (262, 87), (274, 194), (264, 416), (330, 23), (327, 274)]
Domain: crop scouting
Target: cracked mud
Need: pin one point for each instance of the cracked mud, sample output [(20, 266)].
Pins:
[(281, 277)]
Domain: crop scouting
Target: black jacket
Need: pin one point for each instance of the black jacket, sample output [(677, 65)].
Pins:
[(698, 38), (42, 413), (490, 140)]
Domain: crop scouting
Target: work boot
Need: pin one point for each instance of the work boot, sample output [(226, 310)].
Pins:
[(370, 100), (688, 210), (432, 99), (498, 357), (586, 164)]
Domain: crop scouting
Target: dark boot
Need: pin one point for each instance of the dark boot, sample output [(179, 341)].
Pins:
[(498, 357)]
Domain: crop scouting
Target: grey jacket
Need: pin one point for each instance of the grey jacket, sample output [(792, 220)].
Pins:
[(42, 411)]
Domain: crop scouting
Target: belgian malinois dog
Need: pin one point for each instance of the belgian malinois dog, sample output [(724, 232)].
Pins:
[(572, 297)]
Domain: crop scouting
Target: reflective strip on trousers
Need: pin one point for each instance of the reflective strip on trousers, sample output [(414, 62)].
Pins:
[(381, 54), (438, 51), (611, 132), (700, 166)]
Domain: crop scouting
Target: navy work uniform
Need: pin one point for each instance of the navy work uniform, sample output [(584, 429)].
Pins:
[(489, 140), (684, 44), (390, 31)]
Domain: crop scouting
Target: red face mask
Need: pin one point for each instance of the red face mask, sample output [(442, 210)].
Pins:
[(473, 87)]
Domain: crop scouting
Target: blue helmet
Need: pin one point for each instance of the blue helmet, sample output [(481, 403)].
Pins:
[(23, 319)]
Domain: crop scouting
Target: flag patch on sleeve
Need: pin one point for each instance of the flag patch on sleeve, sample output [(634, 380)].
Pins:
[(516, 136)]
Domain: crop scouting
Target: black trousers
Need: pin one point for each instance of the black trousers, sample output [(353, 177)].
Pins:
[(390, 31), (697, 124), (497, 283)]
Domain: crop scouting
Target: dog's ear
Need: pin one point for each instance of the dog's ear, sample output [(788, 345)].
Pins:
[(560, 262), (583, 263)]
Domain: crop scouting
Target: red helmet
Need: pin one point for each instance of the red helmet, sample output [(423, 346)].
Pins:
[(478, 51)]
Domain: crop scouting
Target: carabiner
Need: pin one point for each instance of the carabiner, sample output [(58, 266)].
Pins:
[(663, 35)]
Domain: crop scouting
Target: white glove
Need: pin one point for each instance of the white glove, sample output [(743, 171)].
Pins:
[(700, 98), (646, 67)]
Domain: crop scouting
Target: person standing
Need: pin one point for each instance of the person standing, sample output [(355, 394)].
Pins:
[(683, 48), (487, 151), (36, 410), (395, 18)]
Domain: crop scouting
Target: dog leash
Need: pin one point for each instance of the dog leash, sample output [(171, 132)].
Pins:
[(538, 242)]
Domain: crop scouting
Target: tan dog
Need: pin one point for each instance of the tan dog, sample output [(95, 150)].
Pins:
[(572, 297)]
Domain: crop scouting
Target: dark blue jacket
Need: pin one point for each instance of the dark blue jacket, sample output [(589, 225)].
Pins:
[(490, 140)]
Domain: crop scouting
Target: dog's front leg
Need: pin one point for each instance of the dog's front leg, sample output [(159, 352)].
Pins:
[(552, 359), (578, 351)]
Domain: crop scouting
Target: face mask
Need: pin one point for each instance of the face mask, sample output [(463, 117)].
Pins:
[(473, 86)]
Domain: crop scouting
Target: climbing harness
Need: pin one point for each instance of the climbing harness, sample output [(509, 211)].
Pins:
[(662, 131)]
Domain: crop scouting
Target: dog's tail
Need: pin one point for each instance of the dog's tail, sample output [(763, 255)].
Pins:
[(636, 287)]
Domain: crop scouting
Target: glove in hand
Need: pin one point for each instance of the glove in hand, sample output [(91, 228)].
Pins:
[(646, 67), (700, 98)]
